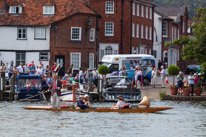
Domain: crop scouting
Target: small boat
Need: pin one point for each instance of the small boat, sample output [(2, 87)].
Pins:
[(103, 109)]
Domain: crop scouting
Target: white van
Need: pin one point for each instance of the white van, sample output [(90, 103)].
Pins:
[(130, 62)]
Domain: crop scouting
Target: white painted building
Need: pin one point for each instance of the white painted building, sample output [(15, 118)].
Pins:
[(24, 44), (157, 40)]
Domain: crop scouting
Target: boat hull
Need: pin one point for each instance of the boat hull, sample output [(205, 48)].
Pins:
[(102, 109)]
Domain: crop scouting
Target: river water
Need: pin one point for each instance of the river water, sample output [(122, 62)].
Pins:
[(187, 119)]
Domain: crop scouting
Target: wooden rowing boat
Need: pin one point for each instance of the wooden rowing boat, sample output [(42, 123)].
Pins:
[(103, 109)]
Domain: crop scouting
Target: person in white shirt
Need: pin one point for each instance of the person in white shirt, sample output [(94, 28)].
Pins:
[(21, 69), (120, 102), (191, 82), (40, 71), (26, 69), (81, 75), (162, 73)]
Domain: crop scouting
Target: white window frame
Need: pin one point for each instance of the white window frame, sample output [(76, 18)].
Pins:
[(101, 54), (46, 56), (133, 30), (178, 33), (166, 30), (142, 31), (146, 12), (42, 31), (112, 31), (13, 10), (146, 32), (175, 33), (91, 60), (21, 28), (80, 33), (150, 12), (92, 34), (133, 9), (137, 9), (109, 9), (20, 59), (137, 30), (150, 33), (172, 33), (49, 11), (142, 11), (71, 53)]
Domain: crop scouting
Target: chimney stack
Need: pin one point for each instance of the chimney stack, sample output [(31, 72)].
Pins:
[(2, 6)]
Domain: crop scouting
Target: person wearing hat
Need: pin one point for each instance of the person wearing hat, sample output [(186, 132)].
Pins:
[(162, 73), (120, 102), (86, 100), (80, 103)]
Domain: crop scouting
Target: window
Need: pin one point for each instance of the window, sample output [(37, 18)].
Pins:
[(183, 27), (145, 51), (101, 54), (175, 33), (75, 59), (40, 33), (149, 51), (150, 33), (20, 57), (178, 33), (43, 56), (91, 60), (137, 31), (15, 10), (109, 7), (108, 50), (92, 34), (109, 29), (146, 32), (146, 12), (164, 29), (133, 30), (76, 33), (142, 31), (113, 68), (48, 10), (154, 53), (172, 33), (133, 8), (150, 13), (137, 9), (115, 52), (142, 12), (21, 34)]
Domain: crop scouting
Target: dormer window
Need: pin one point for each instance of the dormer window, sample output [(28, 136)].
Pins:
[(48, 10), (15, 10)]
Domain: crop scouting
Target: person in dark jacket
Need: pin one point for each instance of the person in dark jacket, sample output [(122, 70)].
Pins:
[(80, 102)]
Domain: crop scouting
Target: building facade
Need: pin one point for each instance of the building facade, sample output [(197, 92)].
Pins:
[(125, 26)]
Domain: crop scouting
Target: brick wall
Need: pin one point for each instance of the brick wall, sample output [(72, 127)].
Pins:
[(2, 4), (61, 43)]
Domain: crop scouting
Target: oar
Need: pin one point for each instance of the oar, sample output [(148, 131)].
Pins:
[(34, 96)]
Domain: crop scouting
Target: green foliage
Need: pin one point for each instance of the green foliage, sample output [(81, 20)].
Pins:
[(167, 43), (173, 70), (195, 48), (203, 65), (103, 70), (192, 5), (162, 94), (198, 84)]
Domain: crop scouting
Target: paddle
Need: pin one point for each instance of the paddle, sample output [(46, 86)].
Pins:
[(34, 96)]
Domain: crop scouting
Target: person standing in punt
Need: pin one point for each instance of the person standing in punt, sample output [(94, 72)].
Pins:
[(55, 89)]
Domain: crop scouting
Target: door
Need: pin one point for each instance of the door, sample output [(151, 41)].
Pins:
[(61, 60)]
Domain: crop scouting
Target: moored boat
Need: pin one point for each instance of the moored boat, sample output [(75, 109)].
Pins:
[(102, 109)]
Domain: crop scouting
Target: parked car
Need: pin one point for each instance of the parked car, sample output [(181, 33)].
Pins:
[(192, 68)]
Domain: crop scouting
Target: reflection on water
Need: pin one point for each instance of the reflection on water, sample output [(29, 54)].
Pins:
[(187, 119)]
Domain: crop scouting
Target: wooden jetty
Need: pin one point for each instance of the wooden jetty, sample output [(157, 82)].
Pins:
[(184, 98)]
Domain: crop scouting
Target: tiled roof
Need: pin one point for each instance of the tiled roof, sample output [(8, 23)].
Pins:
[(171, 11), (32, 14)]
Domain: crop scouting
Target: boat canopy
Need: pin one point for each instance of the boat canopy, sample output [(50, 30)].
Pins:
[(28, 77)]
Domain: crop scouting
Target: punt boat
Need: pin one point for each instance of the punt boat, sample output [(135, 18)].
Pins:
[(102, 109)]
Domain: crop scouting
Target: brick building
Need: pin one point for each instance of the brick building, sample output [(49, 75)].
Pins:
[(125, 26), (172, 22)]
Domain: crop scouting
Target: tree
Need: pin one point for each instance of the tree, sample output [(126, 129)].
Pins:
[(103, 70), (173, 70), (195, 48)]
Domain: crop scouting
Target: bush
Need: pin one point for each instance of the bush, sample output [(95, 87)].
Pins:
[(203, 66), (103, 70), (173, 70), (162, 94)]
